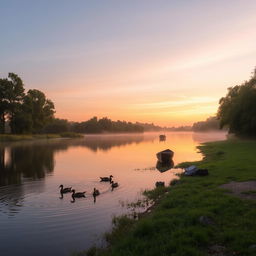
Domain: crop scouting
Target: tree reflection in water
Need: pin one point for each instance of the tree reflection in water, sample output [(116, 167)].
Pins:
[(26, 161)]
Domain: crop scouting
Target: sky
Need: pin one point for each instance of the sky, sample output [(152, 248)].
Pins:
[(166, 61)]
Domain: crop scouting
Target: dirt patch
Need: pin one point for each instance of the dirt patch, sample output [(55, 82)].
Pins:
[(245, 190)]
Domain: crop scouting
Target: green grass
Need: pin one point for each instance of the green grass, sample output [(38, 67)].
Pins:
[(26, 137), (249, 192), (173, 226)]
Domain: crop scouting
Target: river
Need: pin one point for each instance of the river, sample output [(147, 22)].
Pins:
[(36, 220)]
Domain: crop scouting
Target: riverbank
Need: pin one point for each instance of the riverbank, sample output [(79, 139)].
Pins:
[(21, 137), (196, 216)]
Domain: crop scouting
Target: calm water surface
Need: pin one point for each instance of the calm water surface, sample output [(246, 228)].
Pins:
[(34, 220)]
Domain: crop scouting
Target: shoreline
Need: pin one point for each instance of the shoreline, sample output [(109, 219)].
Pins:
[(31, 137), (195, 216)]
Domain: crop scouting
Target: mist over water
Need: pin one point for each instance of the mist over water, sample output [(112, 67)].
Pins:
[(32, 212)]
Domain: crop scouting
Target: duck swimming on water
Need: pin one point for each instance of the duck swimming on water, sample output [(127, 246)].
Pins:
[(96, 192), (106, 178), (114, 184), (78, 194), (64, 190)]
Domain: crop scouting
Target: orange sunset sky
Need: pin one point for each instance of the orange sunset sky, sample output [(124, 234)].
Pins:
[(167, 62)]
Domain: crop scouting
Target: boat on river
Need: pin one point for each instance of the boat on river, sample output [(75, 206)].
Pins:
[(162, 137), (165, 156)]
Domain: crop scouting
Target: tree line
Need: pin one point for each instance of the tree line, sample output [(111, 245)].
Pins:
[(211, 123), (151, 127), (93, 125), (31, 112), (25, 112), (237, 109)]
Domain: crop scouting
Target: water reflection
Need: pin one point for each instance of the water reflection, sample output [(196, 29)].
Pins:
[(20, 162), (106, 142), (162, 167), (33, 161), (162, 137), (201, 137), (36, 160), (17, 165), (11, 202)]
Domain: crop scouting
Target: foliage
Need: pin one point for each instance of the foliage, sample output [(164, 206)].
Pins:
[(70, 135), (11, 95), (26, 113), (57, 126), (40, 109), (155, 193), (238, 108), (95, 125), (211, 123), (150, 127)]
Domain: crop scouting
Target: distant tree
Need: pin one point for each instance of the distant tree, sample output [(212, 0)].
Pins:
[(237, 109), (95, 125), (91, 126), (211, 123), (57, 126), (105, 124)]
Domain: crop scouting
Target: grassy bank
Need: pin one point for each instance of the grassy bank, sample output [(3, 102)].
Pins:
[(18, 137), (195, 217)]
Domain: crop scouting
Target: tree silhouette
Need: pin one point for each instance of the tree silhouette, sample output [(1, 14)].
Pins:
[(237, 109), (11, 95), (26, 113)]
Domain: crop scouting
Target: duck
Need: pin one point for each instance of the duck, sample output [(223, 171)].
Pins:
[(78, 194), (114, 184), (106, 178), (96, 192), (64, 190)]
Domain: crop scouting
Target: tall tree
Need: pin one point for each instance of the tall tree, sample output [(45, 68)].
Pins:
[(39, 107), (11, 95), (237, 109), (3, 104)]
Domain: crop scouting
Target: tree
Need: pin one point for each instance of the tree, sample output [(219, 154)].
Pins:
[(105, 124), (211, 123), (11, 95), (25, 113), (3, 104), (40, 109), (57, 126), (237, 109)]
